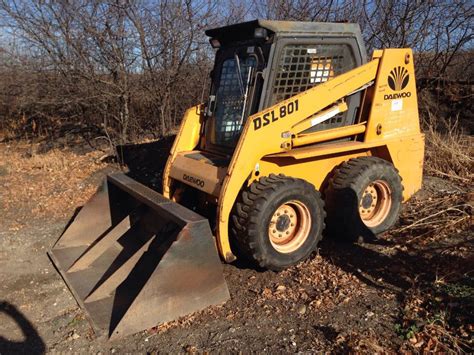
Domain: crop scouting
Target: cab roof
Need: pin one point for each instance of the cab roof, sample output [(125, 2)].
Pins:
[(246, 30)]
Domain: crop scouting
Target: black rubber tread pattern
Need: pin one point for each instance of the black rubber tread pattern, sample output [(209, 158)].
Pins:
[(345, 189), (250, 211)]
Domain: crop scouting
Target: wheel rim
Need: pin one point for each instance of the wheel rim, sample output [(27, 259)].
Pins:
[(375, 203), (289, 226)]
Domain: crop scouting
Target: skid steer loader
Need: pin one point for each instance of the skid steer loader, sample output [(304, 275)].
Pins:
[(300, 130)]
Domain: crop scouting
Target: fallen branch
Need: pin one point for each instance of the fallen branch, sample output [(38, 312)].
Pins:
[(418, 222)]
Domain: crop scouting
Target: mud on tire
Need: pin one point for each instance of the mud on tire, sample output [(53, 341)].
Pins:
[(293, 209)]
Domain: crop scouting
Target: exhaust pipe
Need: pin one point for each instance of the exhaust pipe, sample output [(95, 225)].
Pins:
[(133, 259)]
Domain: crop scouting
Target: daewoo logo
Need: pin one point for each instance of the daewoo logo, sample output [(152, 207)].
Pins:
[(400, 95), (193, 180), (398, 78)]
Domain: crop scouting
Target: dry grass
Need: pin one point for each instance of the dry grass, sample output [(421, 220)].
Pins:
[(44, 185), (449, 152)]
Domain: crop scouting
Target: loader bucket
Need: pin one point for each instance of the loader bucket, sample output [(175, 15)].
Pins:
[(134, 259)]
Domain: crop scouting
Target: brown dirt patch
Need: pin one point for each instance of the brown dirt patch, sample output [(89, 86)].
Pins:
[(47, 185)]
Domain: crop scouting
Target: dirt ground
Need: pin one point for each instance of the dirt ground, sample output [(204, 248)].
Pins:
[(410, 289)]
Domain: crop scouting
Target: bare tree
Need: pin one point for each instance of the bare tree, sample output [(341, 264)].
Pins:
[(119, 62), (124, 69)]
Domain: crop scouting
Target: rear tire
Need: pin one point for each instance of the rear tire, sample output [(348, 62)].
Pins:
[(277, 221), (363, 198)]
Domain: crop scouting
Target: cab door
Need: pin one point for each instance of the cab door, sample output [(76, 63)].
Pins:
[(237, 81)]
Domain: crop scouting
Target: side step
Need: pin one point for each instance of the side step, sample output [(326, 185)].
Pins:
[(134, 259)]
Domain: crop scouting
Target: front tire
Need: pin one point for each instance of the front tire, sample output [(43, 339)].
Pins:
[(277, 221)]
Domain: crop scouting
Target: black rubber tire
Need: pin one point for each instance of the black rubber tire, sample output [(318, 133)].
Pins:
[(345, 190), (252, 213)]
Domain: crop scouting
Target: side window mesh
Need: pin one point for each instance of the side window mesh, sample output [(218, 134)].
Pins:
[(230, 101), (303, 66)]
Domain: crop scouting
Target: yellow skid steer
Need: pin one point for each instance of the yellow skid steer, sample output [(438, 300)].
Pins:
[(301, 134)]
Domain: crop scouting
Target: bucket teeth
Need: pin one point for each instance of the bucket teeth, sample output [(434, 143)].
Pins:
[(133, 259)]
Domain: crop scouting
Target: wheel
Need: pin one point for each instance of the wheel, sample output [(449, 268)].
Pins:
[(363, 198), (277, 221)]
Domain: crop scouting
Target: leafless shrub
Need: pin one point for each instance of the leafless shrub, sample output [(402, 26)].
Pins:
[(449, 152)]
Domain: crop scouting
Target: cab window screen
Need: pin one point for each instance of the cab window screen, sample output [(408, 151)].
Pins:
[(302, 66), (230, 100)]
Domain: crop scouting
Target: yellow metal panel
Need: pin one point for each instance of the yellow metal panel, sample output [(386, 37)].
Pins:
[(187, 139), (407, 156), (315, 170), (394, 110)]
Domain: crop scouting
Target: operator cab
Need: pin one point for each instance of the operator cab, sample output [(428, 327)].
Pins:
[(260, 63)]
